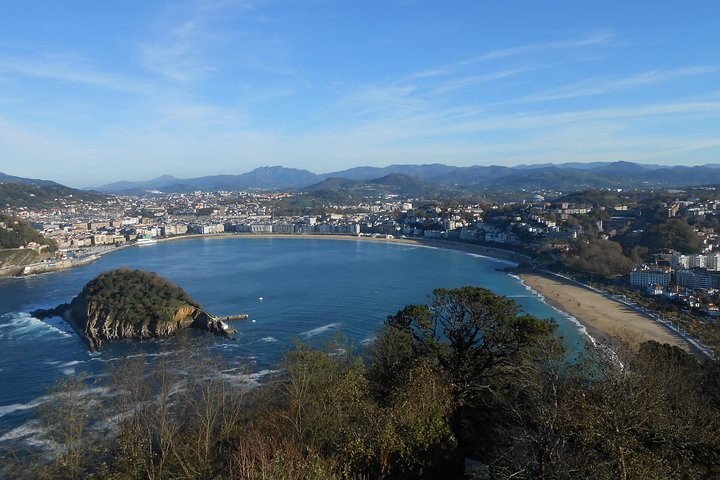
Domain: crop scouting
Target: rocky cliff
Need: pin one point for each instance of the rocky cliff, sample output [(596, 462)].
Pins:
[(132, 304)]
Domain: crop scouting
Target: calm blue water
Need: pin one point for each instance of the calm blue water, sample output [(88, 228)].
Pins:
[(310, 287)]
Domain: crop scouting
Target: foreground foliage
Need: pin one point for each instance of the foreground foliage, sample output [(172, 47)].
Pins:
[(465, 376)]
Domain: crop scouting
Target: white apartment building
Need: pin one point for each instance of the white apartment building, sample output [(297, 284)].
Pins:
[(643, 278)]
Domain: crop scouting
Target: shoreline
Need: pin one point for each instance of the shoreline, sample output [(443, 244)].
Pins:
[(604, 318), (578, 302), (491, 252)]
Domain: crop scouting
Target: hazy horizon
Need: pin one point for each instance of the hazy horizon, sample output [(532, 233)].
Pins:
[(94, 93)]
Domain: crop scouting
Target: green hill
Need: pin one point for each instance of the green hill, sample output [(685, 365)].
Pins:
[(42, 197), (16, 233)]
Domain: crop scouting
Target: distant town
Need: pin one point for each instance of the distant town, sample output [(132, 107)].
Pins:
[(661, 247)]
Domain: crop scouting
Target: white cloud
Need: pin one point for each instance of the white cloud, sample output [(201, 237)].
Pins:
[(597, 86), (71, 68)]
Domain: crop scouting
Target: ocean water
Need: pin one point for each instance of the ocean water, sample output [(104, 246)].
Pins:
[(309, 288)]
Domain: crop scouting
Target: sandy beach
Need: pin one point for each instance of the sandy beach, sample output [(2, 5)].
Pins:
[(602, 316)]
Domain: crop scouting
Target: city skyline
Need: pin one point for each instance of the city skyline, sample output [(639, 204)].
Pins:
[(222, 87)]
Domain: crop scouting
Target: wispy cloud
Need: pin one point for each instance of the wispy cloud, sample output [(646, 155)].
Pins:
[(183, 49), (595, 39), (177, 56), (70, 67), (473, 80), (597, 86), (604, 37)]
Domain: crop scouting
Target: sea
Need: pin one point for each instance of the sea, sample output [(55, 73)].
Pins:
[(291, 288)]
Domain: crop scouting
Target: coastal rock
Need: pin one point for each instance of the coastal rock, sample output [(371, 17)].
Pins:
[(132, 304)]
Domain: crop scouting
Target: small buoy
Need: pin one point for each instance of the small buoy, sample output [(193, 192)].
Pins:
[(253, 321), (261, 299)]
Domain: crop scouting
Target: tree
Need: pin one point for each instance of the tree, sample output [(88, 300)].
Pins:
[(473, 335), (673, 233), (599, 256)]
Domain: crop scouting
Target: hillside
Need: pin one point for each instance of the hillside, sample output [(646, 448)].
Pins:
[(15, 233), (392, 184), (43, 197), (5, 178)]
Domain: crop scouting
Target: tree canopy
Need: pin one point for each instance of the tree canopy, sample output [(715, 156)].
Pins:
[(137, 296), (673, 233)]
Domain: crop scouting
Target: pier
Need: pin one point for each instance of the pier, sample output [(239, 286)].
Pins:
[(230, 318)]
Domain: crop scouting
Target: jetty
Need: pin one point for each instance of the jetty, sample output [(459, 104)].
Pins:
[(229, 318)]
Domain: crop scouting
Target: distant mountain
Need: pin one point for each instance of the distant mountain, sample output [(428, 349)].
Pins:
[(154, 184), (266, 178), (394, 183), (5, 178), (562, 177), (427, 171)]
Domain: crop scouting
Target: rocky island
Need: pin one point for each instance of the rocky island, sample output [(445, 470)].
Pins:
[(132, 304)]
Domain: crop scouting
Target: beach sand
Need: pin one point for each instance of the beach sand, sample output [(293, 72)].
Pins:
[(602, 316)]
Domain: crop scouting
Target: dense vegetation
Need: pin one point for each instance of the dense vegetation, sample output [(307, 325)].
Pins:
[(137, 296), (18, 233), (674, 233), (40, 197), (465, 376), (598, 256)]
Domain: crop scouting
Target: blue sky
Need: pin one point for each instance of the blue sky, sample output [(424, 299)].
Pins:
[(92, 92)]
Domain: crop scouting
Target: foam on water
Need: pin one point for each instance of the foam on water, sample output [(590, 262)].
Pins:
[(320, 330), (493, 259), (18, 407), (28, 429), (268, 339), (18, 324)]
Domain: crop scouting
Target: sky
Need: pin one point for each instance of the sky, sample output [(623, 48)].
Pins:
[(93, 92)]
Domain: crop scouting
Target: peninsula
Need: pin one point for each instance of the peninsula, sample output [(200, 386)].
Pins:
[(132, 304)]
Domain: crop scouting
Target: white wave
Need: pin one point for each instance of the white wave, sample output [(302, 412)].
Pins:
[(248, 380), (71, 364), (68, 371), (19, 407), (368, 340), (319, 330), (494, 259), (29, 429), (268, 339), (22, 323), (97, 358)]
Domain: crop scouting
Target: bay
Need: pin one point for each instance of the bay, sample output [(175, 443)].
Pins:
[(291, 288)]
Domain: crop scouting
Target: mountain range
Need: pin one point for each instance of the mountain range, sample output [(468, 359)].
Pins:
[(5, 178), (477, 179)]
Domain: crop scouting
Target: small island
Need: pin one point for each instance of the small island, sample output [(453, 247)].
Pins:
[(133, 304)]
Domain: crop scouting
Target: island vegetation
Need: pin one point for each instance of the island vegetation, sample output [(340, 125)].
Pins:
[(466, 384), (131, 304)]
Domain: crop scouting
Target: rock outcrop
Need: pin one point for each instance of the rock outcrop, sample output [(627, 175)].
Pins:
[(132, 304)]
